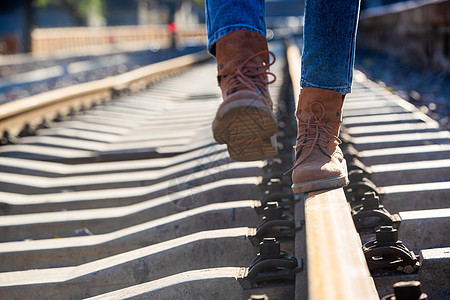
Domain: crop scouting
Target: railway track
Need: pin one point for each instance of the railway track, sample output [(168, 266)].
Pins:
[(126, 195)]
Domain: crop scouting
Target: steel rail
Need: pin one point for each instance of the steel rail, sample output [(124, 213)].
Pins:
[(336, 267), (31, 111), (294, 58)]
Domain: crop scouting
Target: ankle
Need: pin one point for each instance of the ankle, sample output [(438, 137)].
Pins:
[(331, 101)]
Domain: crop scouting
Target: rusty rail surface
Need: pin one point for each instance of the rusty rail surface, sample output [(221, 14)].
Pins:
[(337, 268), (34, 110)]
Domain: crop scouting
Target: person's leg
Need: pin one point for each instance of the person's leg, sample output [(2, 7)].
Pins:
[(236, 37), (329, 44), (327, 70), (226, 16)]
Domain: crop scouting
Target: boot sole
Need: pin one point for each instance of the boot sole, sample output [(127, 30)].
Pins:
[(322, 184), (249, 150), (248, 128)]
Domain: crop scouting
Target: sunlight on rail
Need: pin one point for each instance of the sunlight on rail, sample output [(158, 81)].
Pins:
[(337, 268)]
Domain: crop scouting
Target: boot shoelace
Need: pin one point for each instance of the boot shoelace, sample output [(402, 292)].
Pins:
[(314, 134), (246, 72)]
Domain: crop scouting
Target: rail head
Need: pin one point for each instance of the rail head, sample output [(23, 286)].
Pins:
[(294, 57), (337, 268)]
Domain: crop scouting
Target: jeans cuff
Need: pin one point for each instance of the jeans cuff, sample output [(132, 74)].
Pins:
[(342, 90), (216, 36)]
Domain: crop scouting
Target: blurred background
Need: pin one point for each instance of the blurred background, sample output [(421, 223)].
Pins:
[(403, 45), (29, 25)]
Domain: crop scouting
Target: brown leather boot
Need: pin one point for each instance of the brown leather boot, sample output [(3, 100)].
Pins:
[(319, 163), (245, 120)]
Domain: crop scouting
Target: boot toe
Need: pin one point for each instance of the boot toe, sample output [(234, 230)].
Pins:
[(310, 177)]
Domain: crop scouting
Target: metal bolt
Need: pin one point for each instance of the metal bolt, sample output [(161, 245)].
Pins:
[(386, 235), (272, 211), (269, 248), (370, 201), (409, 290)]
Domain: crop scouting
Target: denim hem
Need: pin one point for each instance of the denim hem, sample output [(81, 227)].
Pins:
[(341, 90), (212, 40)]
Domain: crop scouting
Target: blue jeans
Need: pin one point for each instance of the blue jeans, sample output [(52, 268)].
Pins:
[(329, 36)]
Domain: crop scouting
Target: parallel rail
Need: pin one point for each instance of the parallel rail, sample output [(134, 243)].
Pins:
[(35, 110)]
